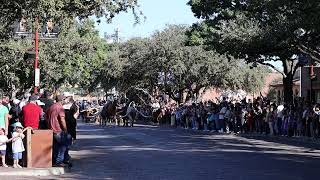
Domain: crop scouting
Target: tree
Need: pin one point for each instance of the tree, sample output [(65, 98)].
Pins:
[(15, 70), (260, 32), (61, 12), (76, 58), (166, 62)]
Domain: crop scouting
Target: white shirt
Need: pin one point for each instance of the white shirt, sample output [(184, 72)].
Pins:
[(155, 105), (22, 103), (280, 111), (67, 106), (3, 139), (17, 144)]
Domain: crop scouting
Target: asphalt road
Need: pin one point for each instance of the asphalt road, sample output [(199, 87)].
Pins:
[(154, 153)]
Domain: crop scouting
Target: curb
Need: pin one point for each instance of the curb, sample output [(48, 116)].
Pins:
[(55, 171)]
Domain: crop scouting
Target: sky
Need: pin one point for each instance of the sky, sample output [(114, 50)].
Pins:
[(158, 14)]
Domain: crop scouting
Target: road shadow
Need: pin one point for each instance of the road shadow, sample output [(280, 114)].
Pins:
[(144, 152)]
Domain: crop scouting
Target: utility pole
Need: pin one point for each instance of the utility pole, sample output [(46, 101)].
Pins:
[(22, 33), (113, 38), (117, 35), (36, 62)]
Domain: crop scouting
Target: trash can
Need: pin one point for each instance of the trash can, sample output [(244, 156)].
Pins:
[(38, 148)]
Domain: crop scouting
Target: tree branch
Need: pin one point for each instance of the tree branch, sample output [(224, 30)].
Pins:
[(291, 68), (273, 67), (306, 50)]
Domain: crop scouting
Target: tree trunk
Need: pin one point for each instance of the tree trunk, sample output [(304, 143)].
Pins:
[(288, 89)]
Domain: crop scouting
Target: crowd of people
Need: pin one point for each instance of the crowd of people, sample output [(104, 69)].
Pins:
[(34, 112), (60, 114), (259, 116)]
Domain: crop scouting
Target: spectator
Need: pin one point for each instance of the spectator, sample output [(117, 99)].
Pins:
[(31, 113), (3, 146), (17, 143), (57, 123), (4, 117), (6, 101), (47, 99), (222, 114), (72, 114), (71, 122), (15, 113)]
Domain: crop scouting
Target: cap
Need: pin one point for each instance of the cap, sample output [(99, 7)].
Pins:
[(33, 98), (17, 124), (16, 101), (40, 103), (67, 94)]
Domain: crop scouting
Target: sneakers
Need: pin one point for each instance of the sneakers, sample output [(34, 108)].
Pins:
[(16, 166)]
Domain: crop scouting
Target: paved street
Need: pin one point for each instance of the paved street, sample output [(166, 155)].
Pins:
[(147, 152)]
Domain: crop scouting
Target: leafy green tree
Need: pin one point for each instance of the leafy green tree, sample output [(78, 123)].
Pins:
[(76, 58), (165, 61), (260, 32), (61, 12), (16, 72)]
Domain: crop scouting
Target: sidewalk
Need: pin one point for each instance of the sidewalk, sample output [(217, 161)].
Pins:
[(301, 139), (54, 171), (307, 141)]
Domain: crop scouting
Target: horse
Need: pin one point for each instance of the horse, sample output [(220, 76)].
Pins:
[(108, 113), (157, 115)]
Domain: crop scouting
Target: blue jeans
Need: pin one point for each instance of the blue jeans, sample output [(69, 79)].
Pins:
[(61, 141), (279, 126)]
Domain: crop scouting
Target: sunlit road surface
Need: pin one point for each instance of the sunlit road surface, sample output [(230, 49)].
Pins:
[(153, 153)]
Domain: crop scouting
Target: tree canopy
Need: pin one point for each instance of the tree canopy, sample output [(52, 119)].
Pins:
[(77, 57), (165, 61), (260, 31), (61, 12)]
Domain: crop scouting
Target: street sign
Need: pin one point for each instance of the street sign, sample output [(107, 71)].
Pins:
[(37, 77)]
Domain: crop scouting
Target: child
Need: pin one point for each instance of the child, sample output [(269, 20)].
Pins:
[(17, 143), (3, 146)]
